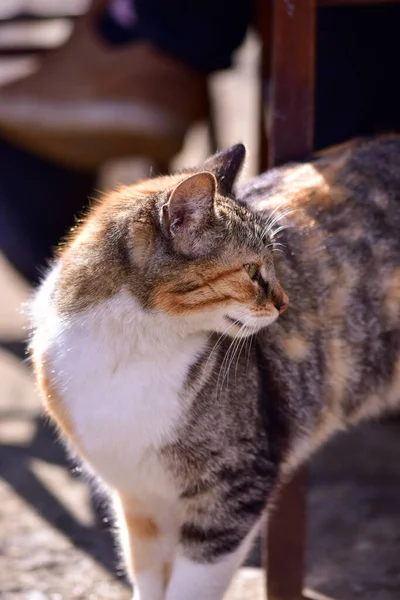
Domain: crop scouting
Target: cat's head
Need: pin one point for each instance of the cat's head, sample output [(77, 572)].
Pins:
[(210, 260), (191, 250)]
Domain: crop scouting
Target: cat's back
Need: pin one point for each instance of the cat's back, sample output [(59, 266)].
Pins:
[(362, 171)]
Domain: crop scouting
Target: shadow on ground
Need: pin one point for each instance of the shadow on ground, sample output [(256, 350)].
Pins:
[(16, 470)]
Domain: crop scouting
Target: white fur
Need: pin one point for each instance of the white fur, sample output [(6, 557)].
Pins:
[(120, 372), (149, 583), (208, 582)]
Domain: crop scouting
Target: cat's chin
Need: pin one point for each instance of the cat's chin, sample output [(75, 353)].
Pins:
[(247, 326)]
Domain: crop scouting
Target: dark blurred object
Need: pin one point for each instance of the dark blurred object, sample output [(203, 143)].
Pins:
[(38, 201), (357, 90), (89, 101)]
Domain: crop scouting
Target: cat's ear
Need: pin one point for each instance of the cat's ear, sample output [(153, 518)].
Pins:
[(189, 208), (226, 166)]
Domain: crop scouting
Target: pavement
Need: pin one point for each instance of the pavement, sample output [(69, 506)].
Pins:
[(56, 534)]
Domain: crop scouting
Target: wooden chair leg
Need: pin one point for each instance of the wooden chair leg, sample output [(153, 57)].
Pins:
[(285, 542), (287, 29)]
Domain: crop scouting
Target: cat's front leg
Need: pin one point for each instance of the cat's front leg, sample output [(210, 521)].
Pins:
[(149, 536), (200, 574)]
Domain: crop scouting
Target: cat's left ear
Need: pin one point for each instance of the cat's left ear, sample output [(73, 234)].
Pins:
[(189, 208), (226, 166)]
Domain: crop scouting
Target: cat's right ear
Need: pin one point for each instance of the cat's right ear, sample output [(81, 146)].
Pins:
[(226, 166), (188, 210)]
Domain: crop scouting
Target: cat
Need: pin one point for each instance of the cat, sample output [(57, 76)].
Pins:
[(168, 355)]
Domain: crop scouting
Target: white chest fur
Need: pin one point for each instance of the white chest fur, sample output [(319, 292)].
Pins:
[(120, 374)]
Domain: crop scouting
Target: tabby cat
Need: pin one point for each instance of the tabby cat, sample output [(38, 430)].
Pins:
[(166, 356)]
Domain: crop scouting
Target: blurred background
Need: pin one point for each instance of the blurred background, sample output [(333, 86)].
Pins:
[(55, 535)]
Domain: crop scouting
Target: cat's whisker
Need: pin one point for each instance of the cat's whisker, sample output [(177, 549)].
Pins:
[(236, 352), (285, 214), (241, 348), (218, 342), (271, 216), (273, 247), (249, 351), (278, 217), (223, 370), (238, 340), (281, 228), (274, 244), (230, 349), (248, 342), (224, 359), (221, 334), (269, 230)]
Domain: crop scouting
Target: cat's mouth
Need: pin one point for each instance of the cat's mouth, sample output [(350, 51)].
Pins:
[(234, 321)]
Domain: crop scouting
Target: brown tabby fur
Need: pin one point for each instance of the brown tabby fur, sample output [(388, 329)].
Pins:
[(341, 270)]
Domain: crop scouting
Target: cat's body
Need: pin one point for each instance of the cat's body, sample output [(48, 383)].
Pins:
[(194, 434)]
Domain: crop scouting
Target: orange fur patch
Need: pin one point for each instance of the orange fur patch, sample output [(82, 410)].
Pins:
[(96, 257), (340, 298), (392, 296), (216, 286), (313, 184), (167, 569), (142, 535), (142, 527), (296, 347), (53, 404)]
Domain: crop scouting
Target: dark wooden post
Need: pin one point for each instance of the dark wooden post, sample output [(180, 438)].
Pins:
[(285, 542), (290, 110), (287, 29)]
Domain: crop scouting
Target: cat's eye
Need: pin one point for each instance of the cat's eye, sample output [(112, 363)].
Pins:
[(252, 270)]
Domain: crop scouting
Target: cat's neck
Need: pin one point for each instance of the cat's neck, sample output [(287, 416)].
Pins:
[(139, 333), (119, 323)]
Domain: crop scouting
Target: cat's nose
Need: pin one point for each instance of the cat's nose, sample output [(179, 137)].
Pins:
[(281, 302)]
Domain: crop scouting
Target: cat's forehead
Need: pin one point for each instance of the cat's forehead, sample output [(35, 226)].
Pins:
[(246, 229)]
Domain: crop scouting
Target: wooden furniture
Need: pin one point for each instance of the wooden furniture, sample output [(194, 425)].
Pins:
[(35, 32), (287, 29)]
